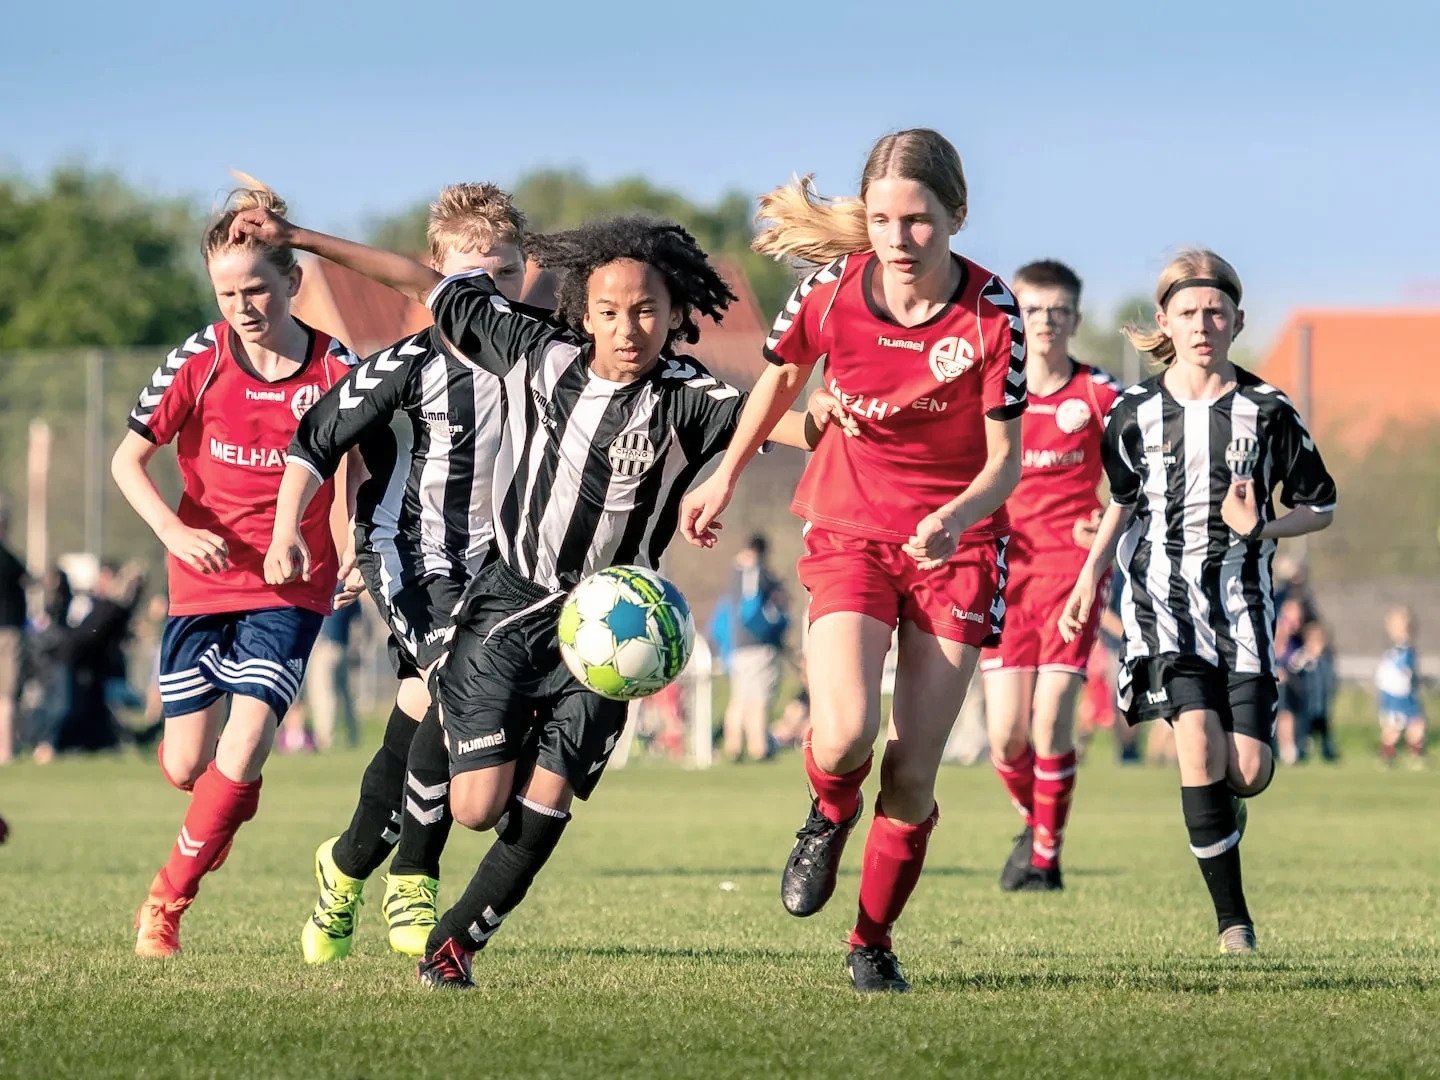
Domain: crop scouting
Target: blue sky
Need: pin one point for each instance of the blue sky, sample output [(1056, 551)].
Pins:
[(1301, 140)]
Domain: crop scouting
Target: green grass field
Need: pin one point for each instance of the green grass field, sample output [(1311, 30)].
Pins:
[(655, 943)]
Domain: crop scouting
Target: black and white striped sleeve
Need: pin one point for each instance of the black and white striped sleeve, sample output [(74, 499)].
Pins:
[(1120, 454), (1304, 480), (708, 408), (494, 332), (366, 398)]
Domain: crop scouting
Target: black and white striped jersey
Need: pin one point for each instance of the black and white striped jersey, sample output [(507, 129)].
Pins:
[(589, 472), (1192, 586), (427, 422)]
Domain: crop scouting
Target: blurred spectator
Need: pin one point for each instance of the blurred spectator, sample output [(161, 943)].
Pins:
[(49, 663), (1398, 682), (755, 620), (327, 680), (788, 732), (1290, 621), (13, 580), (1310, 684), (98, 662)]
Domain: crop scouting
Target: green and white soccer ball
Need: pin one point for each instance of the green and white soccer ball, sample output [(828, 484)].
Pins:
[(626, 632)]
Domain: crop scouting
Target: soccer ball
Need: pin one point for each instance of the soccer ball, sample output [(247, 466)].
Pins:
[(626, 632)]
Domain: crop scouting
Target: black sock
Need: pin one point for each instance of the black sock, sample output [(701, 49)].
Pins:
[(425, 823), (526, 837), (375, 826), (1215, 843)]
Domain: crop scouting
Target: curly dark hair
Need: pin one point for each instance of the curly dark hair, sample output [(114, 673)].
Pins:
[(694, 284)]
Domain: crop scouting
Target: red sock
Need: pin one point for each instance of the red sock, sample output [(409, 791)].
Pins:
[(218, 807), (1018, 776), (838, 794), (1387, 751), (894, 855), (1054, 785), (160, 757)]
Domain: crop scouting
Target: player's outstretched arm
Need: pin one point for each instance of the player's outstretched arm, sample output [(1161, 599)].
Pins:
[(400, 273), (288, 557), (199, 549), (775, 391)]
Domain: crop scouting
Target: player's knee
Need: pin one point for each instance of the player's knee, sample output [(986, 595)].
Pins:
[(179, 768), (1008, 744), (476, 807), (907, 784), (1251, 773)]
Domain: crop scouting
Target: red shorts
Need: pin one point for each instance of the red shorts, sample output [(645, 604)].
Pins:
[(1032, 640), (960, 601)]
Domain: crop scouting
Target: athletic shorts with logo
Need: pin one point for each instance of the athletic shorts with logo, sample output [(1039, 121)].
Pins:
[(1034, 603), (260, 654), (506, 695), (963, 600), (1162, 687), (420, 617)]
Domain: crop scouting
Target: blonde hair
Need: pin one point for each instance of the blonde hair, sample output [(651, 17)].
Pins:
[(1189, 263), (473, 218), (254, 193), (804, 225)]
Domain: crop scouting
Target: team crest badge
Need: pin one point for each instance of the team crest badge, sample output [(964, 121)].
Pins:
[(1241, 455), (632, 453), (1072, 415), (305, 397), (950, 358)]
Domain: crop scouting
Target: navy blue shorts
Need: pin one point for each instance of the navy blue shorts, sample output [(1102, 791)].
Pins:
[(261, 654)]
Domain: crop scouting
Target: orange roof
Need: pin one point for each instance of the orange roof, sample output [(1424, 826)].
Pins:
[(1368, 369), (367, 316)]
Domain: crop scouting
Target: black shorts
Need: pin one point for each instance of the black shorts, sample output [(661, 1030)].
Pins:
[(1162, 687), (420, 616), (506, 695)]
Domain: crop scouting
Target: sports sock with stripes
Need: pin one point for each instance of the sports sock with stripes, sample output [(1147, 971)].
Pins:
[(524, 841), (218, 807), (425, 819), (374, 828), (1215, 843), (1054, 787), (894, 857), (1018, 776)]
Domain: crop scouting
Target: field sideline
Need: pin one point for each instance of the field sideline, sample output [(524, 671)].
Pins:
[(655, 944)]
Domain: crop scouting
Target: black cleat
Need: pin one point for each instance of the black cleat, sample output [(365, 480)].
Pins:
[(1017, 866), (874, 970), (1037, 879), (447, 968), (809, 877)]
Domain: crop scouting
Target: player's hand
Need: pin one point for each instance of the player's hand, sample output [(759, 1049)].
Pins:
[(1239, 509), (701, 508), (825, 408), (287, 559), (935, 540), (352, 589), (1085, 529), (198, 549), (1076, 612), (264, 225)]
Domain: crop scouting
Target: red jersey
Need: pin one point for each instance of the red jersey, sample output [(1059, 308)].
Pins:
[(919, 393), (231, 429), (1060, 467)]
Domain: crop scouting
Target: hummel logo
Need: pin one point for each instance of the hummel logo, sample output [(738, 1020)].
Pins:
[(1156, 697), (467, 746), (188, 845)]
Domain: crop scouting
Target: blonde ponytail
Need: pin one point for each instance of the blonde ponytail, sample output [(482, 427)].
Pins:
[(804, 225), (252, 195)]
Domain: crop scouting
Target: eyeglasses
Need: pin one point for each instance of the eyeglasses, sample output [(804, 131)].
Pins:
[(1056, 314)]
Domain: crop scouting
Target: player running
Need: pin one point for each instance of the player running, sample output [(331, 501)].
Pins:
[(1032, 676), (904, 513), (1193, 455), (230, 399), (603, 427), (426, 420), (1397, 683)]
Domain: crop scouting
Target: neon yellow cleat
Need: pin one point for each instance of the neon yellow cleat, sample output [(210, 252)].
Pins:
[(330, 930), (410, 911)]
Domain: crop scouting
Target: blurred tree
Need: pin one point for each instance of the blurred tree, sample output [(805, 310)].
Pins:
[(88, 261), (562, 198)]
